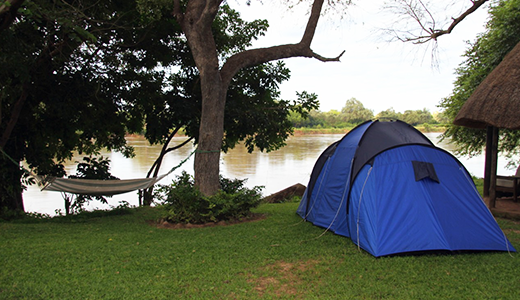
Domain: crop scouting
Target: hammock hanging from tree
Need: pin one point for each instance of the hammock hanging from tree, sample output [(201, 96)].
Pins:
[(99, 187), (104, 187)]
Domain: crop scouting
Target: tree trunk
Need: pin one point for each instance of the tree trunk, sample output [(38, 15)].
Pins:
[(196, 24), (211, 134), (11, 200)]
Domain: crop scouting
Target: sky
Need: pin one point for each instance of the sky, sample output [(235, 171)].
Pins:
[(378, 73)]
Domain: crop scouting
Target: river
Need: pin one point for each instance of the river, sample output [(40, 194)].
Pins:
[(275, 170)]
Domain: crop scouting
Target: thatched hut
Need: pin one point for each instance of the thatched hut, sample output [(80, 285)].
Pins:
[(494, 104)]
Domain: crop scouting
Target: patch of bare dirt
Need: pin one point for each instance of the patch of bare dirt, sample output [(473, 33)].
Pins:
[(285, 278), (168, 225), (505, 208)]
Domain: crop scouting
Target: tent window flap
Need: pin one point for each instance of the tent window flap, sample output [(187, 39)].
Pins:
[(424, 170)]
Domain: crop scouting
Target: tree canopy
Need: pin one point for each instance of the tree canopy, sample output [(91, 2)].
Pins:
[(61, 91), (483, 55), (355, 112)]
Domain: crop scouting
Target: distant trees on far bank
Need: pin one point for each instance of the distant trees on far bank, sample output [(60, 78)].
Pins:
[(354, 113)]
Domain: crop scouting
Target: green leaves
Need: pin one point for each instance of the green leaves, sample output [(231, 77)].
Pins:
[(91, 168), (482, 56), (182, 202), (355, 112), (94, 168)]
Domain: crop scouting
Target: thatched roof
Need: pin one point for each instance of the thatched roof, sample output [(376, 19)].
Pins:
[(496, 101)]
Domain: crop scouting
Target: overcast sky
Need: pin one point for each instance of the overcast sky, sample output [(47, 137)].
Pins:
[(380, 74)]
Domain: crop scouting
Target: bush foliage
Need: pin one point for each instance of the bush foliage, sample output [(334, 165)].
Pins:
[(355, 113), (182, 202), (91, 168)]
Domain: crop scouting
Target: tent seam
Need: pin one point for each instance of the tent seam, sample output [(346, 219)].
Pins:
[(359, 206)]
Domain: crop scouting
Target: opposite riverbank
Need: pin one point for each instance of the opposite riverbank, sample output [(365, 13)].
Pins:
[(307, 130)]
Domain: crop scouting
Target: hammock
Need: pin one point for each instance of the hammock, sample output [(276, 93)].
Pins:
[(105, 187), (99, 187)]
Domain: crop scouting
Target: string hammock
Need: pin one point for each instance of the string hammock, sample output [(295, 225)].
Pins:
[(105, 187), (96, 186)]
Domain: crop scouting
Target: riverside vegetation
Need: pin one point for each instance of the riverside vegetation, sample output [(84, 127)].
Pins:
[(122, 254), (354, 113)]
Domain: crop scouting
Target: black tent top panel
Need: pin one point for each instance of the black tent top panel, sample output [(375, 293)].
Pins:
[(381, 136)]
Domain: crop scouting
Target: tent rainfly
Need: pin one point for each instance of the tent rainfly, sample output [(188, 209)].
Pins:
[(388, 188)]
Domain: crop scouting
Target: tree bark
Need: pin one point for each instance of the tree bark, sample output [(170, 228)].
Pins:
[(211, 134), (196, 24)]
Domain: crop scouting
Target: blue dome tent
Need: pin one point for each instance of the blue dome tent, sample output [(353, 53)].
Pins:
[(388, 188)]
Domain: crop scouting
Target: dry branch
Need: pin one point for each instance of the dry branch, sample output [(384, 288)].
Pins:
[(418, 11)]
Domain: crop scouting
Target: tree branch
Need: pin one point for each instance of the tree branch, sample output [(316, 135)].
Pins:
[(327, 59), (312, 23), (157, 163), (258, 56), (456, 21), (415, 9), (177, 12), (8, 13)]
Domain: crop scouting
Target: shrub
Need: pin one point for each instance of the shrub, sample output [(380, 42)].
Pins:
[(182, 202), (427, 127), (90, 168)]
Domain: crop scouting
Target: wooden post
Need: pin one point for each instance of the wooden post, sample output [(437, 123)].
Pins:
[(493, 177), (487, 161)]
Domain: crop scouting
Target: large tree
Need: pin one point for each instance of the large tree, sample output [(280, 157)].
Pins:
[(253, 113), (61, 88), (196, 18), (354, 112)]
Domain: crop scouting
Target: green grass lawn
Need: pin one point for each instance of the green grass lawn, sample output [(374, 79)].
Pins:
[(123, 257)]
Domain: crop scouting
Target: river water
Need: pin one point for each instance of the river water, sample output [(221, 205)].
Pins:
[(275, 170)]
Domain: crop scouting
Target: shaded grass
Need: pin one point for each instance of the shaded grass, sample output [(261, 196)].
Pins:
[(122, 257)]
